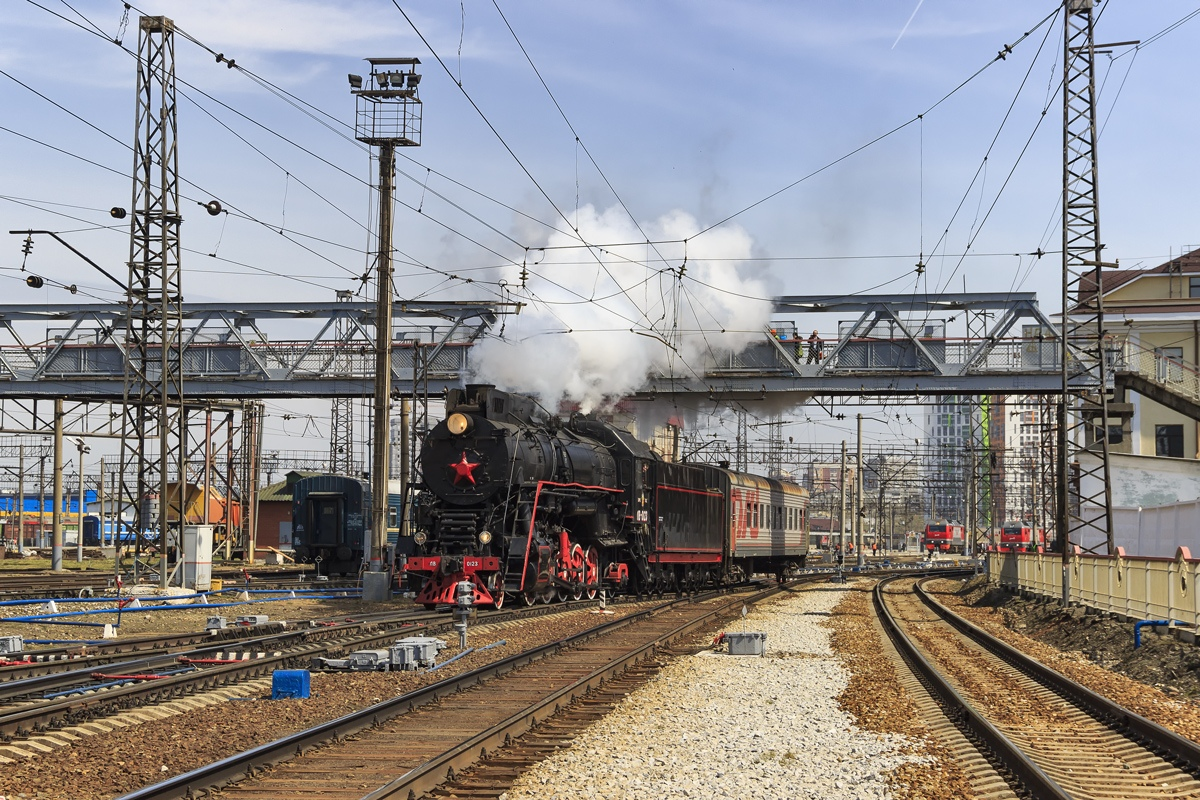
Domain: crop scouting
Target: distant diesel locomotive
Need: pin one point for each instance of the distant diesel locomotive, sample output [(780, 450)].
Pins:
[(528, 506)]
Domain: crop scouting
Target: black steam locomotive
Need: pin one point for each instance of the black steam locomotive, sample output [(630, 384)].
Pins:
[(525, 505)]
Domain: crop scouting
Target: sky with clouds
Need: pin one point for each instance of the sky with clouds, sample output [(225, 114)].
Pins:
[(773, 147)]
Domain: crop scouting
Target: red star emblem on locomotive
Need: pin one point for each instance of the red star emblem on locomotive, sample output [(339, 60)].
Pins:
[(464, 469)]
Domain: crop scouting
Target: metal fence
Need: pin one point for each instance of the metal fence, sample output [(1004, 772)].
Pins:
[(1137, 588)]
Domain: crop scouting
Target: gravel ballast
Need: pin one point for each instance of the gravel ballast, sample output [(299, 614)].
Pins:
[(719, 726)]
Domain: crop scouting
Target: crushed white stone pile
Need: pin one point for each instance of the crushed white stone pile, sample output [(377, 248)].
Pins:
[(721, 726)]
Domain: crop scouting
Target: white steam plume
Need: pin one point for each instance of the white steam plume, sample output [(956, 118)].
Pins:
[(598, 321)]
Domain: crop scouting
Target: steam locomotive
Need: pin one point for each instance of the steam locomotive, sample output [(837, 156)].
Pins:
[(525, 505)]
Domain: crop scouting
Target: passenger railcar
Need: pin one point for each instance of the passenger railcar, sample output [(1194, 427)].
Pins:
[(525, 505), (943, 538), (331, 522)]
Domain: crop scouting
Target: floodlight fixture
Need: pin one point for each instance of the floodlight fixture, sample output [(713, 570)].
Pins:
[(356, 81)]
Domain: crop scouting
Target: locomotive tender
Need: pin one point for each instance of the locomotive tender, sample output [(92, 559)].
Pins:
[(526, 505)]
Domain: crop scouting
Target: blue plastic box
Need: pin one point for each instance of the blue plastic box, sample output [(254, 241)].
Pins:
[(289, 684)]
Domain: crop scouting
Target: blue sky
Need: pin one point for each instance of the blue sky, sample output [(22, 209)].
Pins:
[(695, 113)]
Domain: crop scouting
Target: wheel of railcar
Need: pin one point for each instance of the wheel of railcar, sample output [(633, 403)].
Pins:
[(498, 596), (591, 573), (528, 597), (577, 571), (547, 595)]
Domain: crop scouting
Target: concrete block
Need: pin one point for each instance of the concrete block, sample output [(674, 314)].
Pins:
[(377, 587)]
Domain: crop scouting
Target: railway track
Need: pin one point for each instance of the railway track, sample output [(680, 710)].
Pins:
[(508, 714), (1042, 734), (86, 690), (39, 585)]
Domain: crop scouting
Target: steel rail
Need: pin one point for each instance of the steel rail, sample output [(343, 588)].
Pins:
[(299, 646), (1173, 747), (1010, 758), (246, 764)]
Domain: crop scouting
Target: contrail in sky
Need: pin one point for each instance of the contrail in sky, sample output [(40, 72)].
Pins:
[(910, 19)]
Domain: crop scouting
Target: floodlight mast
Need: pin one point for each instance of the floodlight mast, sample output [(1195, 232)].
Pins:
[(388, 115)]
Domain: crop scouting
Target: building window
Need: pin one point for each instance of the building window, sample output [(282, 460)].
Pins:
[(1169, 364), (1168, 440), (1193, 287), (1115, 434)]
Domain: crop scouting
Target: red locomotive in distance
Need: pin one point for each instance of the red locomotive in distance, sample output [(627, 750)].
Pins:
[(943, 538), (1020, 537)]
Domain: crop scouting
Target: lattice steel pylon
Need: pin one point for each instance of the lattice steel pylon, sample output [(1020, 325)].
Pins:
[(341, 416), (775, 447), (153, 389), (1084, 495), (978, 494)]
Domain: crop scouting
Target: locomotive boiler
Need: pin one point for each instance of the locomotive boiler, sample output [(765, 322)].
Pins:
[(525, 505)]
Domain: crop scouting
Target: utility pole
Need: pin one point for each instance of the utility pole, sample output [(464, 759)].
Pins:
[(41, 530), (388, 115), (842, 519), (56, 542), (21, 496), (341, 423), (79, 534), (100, 509), (1084, 490), (153, 394), (858, 500)]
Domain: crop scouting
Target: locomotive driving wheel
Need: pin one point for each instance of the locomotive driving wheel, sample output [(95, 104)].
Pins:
[(578, 567), (528, 597), (591, 573)]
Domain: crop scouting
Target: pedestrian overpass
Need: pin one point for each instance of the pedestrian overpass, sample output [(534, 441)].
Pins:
[(885, 345)]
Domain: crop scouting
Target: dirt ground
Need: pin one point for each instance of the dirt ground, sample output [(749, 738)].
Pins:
[(1162, 661)]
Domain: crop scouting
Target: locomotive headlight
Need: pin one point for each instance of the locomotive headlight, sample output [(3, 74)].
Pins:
[(419, 537), (485, 537), (458, 424)]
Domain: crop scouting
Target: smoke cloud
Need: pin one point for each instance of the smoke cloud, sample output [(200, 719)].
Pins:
[(600, 320)]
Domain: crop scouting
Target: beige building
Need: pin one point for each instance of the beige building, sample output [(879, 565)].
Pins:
[(1153, 316)]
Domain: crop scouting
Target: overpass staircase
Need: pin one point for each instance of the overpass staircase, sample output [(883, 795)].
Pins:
[(1166, 380)]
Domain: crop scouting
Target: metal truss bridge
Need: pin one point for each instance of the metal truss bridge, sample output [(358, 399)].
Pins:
[(888, 345)]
